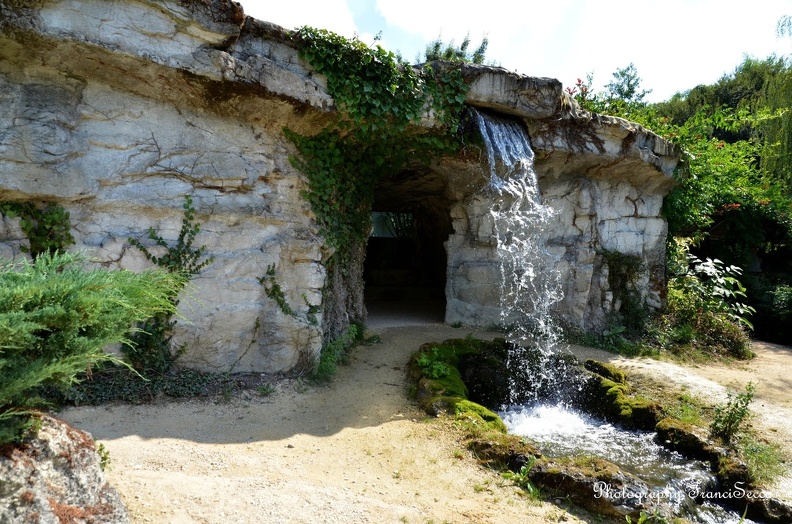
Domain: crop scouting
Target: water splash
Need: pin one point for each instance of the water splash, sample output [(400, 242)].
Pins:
[(530, 283)]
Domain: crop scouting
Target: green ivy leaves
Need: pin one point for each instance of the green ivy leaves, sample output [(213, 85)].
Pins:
[(381, 102), (47, 226)]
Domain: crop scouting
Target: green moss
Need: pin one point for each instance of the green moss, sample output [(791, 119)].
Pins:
[(595, 467), (684, 438), (449, 385), (612, 400), (448, 393), (608, 371), (734, 472), (472, 411)]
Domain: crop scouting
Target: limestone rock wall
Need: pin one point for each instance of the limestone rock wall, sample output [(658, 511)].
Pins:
[(604, 177), (117, 110)]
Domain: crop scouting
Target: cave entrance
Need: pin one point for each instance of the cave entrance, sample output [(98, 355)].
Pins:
[(405, 266)]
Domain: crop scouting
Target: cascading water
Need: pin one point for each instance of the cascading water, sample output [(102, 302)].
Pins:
[(530, 288), (529, 285)]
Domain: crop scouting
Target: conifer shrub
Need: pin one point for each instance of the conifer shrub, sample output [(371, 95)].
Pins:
[(57, 317)]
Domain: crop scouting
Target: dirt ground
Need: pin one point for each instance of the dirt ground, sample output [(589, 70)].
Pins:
[(356, 450)]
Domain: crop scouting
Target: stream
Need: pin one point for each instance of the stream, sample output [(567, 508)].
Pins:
[(675, 480)]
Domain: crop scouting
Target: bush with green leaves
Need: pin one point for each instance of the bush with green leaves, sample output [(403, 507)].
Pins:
[(715, 287), (729, 417), (432, 364), (56, 319), (704, 310), (46, 226)]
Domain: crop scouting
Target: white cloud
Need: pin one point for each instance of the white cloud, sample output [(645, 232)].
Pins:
[(674, 45)]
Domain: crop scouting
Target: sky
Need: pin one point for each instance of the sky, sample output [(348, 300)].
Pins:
[(675, 45)]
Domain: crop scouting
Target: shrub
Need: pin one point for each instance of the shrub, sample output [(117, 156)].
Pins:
[(704, 309), (56, 317), (730, 416)]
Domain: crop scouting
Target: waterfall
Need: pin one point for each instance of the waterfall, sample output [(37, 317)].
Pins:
[(530, 284), (530, 288)]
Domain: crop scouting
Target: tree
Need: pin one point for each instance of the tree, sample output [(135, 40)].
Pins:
[(625, 86), (784, 27), (439, 50), (623, 96)]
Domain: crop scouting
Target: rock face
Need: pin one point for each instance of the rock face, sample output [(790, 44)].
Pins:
[(56, 477), (117, 110)]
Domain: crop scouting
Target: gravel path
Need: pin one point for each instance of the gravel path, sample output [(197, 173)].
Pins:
[(354, 451)]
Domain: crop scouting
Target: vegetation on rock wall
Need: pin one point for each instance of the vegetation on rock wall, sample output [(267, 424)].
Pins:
[(380, 100), (732, 206), (151, 350), (46, 226)]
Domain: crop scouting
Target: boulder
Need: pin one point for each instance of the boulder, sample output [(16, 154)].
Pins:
[(56, 477)]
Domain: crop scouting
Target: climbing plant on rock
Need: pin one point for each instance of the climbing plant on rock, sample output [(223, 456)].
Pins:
[(46, 225), (381, 100)]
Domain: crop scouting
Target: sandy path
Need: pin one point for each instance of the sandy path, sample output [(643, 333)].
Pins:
[(354, 451)]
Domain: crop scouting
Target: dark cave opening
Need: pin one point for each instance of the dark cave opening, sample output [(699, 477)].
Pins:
[(406, 260)]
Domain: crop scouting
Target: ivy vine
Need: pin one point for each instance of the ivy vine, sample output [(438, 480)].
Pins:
[(47, 226), (151, 350), (381, 100)]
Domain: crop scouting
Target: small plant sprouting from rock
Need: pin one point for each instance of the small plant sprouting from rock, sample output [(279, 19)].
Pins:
[(730, 416), (47, 226), (104, 456), (151, 350), (432, 366), (265, 390)]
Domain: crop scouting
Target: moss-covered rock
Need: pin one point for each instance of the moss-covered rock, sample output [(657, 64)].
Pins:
[(440, 388), (502, 451), (612, 400), (606, 370), (690, 441), (471, 411), (594, 484)]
